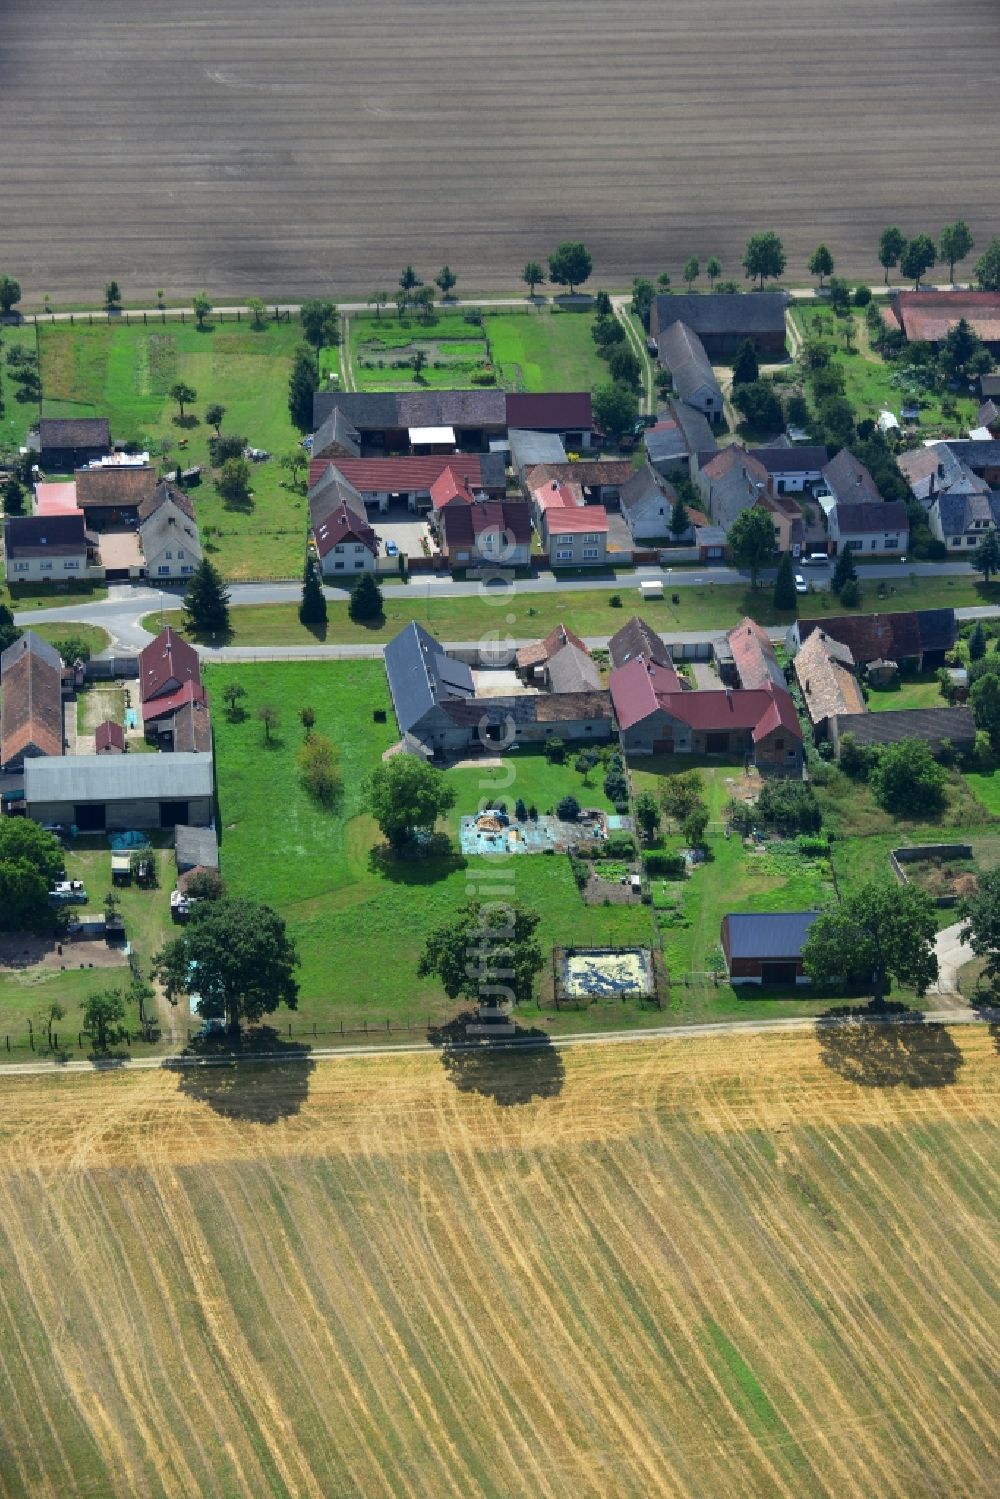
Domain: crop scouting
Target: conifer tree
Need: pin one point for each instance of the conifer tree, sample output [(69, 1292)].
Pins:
[(206, 603)]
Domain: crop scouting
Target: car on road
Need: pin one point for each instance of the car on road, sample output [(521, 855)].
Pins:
[(652, 346), (815, 559), (801, 586)]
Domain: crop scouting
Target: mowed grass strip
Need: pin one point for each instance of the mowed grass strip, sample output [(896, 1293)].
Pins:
[(524, 615), (540, 350), (125, 372), (712, 1267)]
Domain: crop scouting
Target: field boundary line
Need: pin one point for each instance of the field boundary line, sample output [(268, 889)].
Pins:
[(178, 1062)]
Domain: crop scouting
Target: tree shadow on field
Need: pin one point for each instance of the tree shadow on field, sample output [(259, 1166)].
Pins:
[(887, 1046), (985, 1000), (259, 1078), (510, 1071)]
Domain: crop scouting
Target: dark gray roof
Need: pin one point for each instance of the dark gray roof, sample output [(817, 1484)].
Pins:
[(369, 411), (695, 426), (332, 492), (169, 525), (573, 670), (74, 432), (791, 459), (734, 313), (421, 675), (196, 846), (527, 448), (36, 535), (646, 484), (957, 512), (879, 515), (930, 724), (848, 480), (530, 708), (31, 643), (978, 454), (885, 637), (772, 934), (337, 432), (683, 354), (989, 385), (117, 778), (637, 638), (664, 444)]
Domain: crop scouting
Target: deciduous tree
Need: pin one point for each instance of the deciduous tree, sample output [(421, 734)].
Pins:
[(533, 275), (234, 481), (319, 768), (647, 814), (319, 322), (917, 258), (821, 263), (713, 269), (112, 295), (408, 281), (891, 244), (616, 409), (183, 394), (378, 300), (570, 264), (643, 292), (237, 956), (680, 520), (986, 558), (234, 695), (257, 308), (759, 406), (10, 293), (878, 934), (987, 268), (405, 796), (446, 280), (487, 953), (213, 416), (764, 257), (980, 914), (984, 696), (907, 781), (750, 540), (956, 244), (202, 307), (104, 1017), (691, 272), (624, 367)]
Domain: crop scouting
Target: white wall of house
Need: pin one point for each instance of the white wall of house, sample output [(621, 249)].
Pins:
[(872, 544), (53, 569), (171, 562), (347, 557), (650, 520), (580, 549)]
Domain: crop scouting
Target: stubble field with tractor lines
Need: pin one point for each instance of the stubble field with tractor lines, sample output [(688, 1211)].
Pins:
[(321, 144), (727, 1267)]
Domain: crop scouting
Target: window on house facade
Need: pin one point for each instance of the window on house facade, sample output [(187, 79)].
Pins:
[(592, 536), (564, 556), (46, 567), (20, 567), (358, 562), (970, 541), (591, 552), (564, 541), (180, 552), (359, 547), (163, 571), (854, 546), (338, 548), (69, 567), (956, 541), (169, 555), (338, 567)]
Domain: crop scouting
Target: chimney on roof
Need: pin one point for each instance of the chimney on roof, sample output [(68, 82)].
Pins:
[(808, 685)]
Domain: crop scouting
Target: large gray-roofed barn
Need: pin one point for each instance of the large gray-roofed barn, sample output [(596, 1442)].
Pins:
[(397, 411), (97, 792), (683, 354), (421, 676), (724, 320), (933, 725)]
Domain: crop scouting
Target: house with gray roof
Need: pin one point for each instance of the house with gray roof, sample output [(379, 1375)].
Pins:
[(961, 519), (935, 469), (647, 501), (337, 437), (935, 726), (793, 467), (421, 677), (879, 528), (168, 535), (849, 481), (398, 421), (725, 320), (730, 482), (682, 352), (528, 449)]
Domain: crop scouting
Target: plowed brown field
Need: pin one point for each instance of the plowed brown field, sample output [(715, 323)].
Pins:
[(253, 146), (706, 1267)]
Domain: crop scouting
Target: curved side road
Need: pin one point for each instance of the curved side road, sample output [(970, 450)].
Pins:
[(578, 1038)]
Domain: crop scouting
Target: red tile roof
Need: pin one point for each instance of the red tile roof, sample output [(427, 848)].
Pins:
[(931, 314), (562, 520), (555, 494), (753, 655), (641, 687), (168, 704), (167, 661), (55, 499), (396, 475), (343, 525), (540, 651), (449, 486), (109, 737)]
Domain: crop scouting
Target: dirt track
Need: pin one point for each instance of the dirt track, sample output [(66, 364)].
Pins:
[(249, 146)]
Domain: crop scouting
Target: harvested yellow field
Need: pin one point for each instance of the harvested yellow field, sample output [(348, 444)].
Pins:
[(710, 1267)]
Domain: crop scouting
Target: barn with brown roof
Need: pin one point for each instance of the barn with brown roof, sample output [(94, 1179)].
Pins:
[(31, 707), (113, 494), (68, 443), (920, 636)]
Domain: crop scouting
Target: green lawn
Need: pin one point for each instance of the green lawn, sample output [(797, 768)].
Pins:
[(360, 928), (23, 596), (25, 994), (126, 372), (921, 691), (92, 635), (380, 350), (873, 384), (538, 349), (711, 606), (16, 416), (985, 787), (527, 775)]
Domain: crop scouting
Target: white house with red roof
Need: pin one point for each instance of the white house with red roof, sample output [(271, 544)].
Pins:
[(572, 533), (344, 542)]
